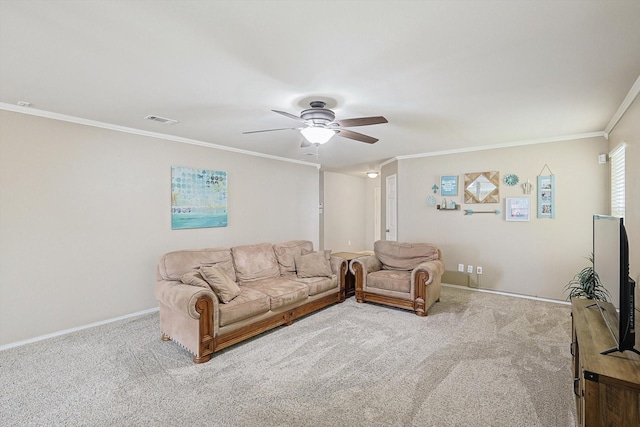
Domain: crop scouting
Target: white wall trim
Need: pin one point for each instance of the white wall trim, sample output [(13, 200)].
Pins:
[(495, 146), (508, 294), (76, 329), (626, 103), (102, 125), (505, 145)]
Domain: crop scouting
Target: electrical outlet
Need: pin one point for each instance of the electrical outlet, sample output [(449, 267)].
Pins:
[(470, 269), (479, 270), (461, 268)]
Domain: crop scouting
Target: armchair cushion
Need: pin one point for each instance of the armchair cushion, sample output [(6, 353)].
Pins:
[(286, 253), (225, 288), (390, 280), (315, 264), (404, 256)]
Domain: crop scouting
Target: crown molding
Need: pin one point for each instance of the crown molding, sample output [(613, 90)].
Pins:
[(622, 109), (158, 135), (505, 145)]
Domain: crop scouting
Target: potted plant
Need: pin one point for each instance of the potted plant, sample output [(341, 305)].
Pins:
[(586, 284)]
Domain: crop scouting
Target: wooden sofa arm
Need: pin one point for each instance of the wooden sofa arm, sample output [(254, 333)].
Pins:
[(182, 298), (339, 268), (180, 303)]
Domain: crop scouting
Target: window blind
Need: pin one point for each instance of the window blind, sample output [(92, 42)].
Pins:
[(617, 181)]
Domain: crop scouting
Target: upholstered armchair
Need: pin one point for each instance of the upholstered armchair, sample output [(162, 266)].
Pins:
[(403, 275)]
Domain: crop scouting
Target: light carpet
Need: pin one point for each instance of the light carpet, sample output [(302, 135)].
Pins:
[(478, 359)]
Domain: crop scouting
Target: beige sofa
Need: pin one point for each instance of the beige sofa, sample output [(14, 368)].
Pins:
[(404, 275), (212, 298)]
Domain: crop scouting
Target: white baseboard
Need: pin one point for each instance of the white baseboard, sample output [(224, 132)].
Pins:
[(509, 294), (153, 310), (79, 328)]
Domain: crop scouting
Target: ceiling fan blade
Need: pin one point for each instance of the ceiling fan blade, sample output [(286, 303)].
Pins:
[(270, 130), (291, 116), (305, 143), (357, 136), (361, 121)]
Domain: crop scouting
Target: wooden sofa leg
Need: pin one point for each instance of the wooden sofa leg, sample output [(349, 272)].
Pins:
[(165, 337), (202, 359)]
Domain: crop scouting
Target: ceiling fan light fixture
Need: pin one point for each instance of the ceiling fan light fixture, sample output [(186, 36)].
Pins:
[(317, 135), (372, 174)]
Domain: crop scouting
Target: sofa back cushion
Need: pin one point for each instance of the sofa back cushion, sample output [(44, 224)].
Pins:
[(174, 264), (287, 252), (255, 262), (404, 256)]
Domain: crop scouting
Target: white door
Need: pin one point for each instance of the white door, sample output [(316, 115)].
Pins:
[(392, 209)]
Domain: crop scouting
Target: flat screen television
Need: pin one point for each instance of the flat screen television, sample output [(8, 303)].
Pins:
[(611, 264)]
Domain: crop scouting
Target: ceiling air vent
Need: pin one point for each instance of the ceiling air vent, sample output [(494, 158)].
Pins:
[(161, 120)]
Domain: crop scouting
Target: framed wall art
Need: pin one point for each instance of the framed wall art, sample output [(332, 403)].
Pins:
[(449, 185), (198, 198), (517, 209), (482, 187), (546, 196)]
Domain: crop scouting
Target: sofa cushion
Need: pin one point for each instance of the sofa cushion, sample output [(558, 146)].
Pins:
[(286, 253), (255, 262), (174, 264), (315, 264), (248, 304), (390, 280), (403, 256), (220, 282), (194, 278), (281, 291), (318, 285)]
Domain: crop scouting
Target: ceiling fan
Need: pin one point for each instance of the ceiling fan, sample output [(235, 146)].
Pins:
[(321, 125)]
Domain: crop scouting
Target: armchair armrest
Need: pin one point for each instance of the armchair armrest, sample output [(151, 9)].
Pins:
[(368, 264), (360, 267), (183, 298), (433, 269)]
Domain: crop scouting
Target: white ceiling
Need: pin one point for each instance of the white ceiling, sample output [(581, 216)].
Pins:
[(448, 75)]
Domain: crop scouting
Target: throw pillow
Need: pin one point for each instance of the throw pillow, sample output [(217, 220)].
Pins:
[(194, 278), (315, 264), (225, 288)]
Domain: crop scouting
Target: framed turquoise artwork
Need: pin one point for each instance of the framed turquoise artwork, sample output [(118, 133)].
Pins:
[(198, 198), (449, 185), (546, 196)]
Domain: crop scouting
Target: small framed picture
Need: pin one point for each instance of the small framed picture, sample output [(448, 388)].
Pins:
[(449, 185), (546, 196), (517, 209)]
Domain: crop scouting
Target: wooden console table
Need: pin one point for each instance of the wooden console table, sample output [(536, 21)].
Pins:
[(350, 279), (607, 387)]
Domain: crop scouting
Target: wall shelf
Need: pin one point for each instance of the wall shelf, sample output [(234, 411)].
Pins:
[(457, 208)]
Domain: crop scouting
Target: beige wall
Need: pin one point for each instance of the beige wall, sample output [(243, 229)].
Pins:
[(370, 208), (85, 215), (533, 258), (345, 207), (628, 130)]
